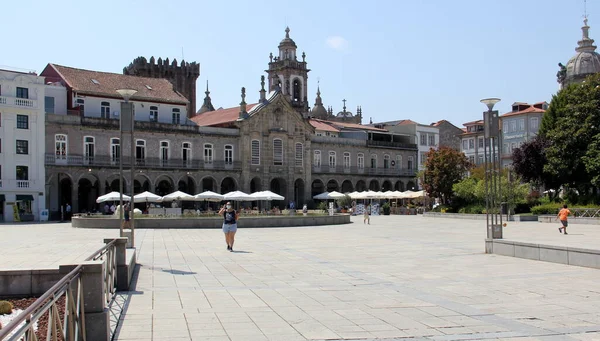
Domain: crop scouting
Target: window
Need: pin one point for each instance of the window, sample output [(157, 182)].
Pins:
[(399, 161), (60, 149), (80, 102), (505, 126), (153, 114), (22, 122), (534, 124), (423, 157), (465, 144), (346, 160), (373, 161), (513, 126), (22, 147), (49, 105), (431, 138), (22, 92), (423, 139), (360, 160), (480, 160), (277, 152), (299, 153), (255, 152), (228, 154), (88, 148), (115, 150), (317, 158), (164, 151), (186, 153), (505, 148), (409, 162), (208, 153), (472, 159), (140, 150), (521, 124), (105, 110), (471, 143), (513, 146), (176, 116), (480, 142), (22, 173), (386, 161), (332, 159)]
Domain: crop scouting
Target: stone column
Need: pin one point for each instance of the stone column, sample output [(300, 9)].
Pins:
[(75, 197), (121, 255), (97, 317)]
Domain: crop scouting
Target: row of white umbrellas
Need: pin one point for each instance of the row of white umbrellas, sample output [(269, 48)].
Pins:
[(204, 196), (371, 195)]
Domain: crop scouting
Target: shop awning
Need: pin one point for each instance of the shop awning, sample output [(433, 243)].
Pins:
[(24, 197), (2, 198)]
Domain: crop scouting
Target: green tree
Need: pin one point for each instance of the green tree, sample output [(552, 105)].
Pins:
[(466, 189), (443, 168), (572, 127)]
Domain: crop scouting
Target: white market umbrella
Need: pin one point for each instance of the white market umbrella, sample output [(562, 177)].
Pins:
[(329, 195), (178, 195), (407, 194), (418, 194), (209, 196), (266, 195), (112, 196), (354, 195), (147, 197), (238, 196)]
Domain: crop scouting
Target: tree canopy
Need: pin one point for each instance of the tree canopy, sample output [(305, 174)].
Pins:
[(443, 168)]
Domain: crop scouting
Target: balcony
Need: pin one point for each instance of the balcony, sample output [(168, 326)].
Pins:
[(18, 102), (390, 144), (15, 185), (147, 163), (362, 171)]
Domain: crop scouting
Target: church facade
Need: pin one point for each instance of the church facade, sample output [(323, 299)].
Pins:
[(274, 144)]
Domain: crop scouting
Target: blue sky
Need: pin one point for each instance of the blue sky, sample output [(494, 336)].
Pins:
[(421, 60)]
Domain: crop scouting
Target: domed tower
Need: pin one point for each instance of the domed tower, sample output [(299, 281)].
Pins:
[(584, 63), (289, 75), (319, 111)]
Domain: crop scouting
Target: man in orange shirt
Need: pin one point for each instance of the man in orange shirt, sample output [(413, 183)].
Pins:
[(562, 215)]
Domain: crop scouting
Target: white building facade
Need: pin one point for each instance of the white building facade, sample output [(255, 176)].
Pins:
[(22, 148)]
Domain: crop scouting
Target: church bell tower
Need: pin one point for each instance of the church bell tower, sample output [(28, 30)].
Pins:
[(289, 75)]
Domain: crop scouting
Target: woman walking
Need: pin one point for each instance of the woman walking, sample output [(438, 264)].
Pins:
[(230, 217)]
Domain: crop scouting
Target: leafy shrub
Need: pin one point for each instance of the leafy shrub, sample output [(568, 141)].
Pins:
[(472, 209), (523, 207), (5, 307), (550, 208), (322, 206)]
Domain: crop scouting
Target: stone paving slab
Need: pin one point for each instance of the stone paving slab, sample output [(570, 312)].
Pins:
[(400, 277)]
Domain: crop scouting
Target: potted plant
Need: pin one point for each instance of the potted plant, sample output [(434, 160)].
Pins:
[(386, 208)]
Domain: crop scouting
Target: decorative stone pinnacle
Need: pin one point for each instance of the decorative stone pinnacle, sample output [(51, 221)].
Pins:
[(287, 32)]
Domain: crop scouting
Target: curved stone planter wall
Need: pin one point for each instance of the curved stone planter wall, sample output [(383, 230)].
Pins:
[(217, 222)]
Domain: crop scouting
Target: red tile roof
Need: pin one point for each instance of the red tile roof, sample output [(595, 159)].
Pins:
[(406, 122), (531, 109), (355, 126), (322, 125), (473, 123), (220, 116), (105, 84)]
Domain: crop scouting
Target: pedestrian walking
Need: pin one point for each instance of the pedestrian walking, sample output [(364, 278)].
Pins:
[(126, 222), (366, 216), (230, 218), (562, 215), (68, 209)]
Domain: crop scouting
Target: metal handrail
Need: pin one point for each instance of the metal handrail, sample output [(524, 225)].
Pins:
[(73, 324), (74, 321)]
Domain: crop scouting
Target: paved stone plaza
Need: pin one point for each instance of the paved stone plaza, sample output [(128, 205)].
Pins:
[(400, 277)]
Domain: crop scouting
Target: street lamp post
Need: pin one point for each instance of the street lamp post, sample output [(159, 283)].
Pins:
[(492, 171), (127, 121)]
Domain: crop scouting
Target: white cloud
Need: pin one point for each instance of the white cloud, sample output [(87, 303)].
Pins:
[(337, 43)]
